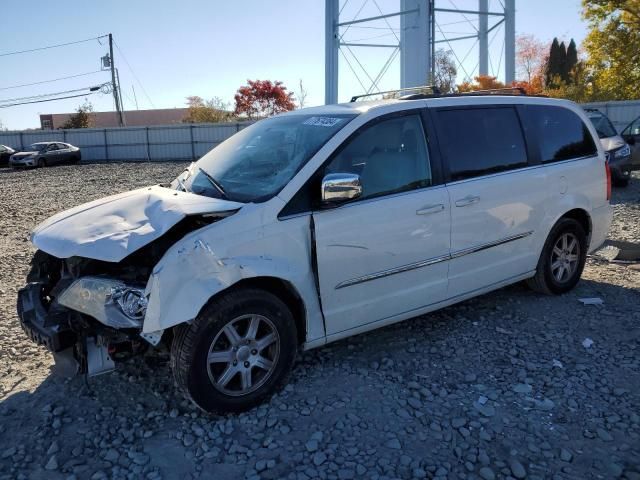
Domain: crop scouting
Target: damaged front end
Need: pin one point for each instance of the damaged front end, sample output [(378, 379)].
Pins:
[(86, 321), (90, 312)]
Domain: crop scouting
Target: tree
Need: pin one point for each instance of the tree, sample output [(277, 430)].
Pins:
[(262, 98), (301, 95), (572, 61), (83, 117), (613, 56), (481, 82), (534, 87), (445, 71), (531, 57), (556, 63), (207, 111)]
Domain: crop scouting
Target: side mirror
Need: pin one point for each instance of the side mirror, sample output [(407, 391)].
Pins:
[(631, 140), (338, 187)]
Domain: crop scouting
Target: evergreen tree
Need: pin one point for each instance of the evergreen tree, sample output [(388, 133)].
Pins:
[(563, 72), (572, 61), (553, 64)]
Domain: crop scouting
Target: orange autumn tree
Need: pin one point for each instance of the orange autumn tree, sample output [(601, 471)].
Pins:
[(263, 98), (481, 82)]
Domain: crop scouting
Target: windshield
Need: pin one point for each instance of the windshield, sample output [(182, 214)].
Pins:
[(257, 162), (603, 125), (37, 147)]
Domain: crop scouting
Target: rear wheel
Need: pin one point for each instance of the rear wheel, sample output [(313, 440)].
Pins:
[(562, 259), (621, 181), (236, 353)]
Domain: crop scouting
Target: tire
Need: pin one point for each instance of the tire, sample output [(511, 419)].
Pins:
[(203, 382), (546, 278), (41, 163), (621, 182)]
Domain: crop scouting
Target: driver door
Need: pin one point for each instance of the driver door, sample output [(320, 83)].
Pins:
[(386, 252)]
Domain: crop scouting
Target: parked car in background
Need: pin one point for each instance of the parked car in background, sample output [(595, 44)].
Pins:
[(316, 225), (617, 150), (5, 153), (43, 154), (631, 135)]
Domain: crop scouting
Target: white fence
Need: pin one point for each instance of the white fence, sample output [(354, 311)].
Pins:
[(620, 113), (167, 142)]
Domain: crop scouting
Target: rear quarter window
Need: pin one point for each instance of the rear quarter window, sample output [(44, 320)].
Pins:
[(561, 133)]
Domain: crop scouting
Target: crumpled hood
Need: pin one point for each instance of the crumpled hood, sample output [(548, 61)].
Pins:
[(611, 143), (113, 227)]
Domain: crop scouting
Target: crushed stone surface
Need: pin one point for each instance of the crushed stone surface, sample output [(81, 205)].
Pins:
[(500, 386)]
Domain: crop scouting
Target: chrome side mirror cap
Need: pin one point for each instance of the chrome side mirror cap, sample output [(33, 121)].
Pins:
[(339, 187)]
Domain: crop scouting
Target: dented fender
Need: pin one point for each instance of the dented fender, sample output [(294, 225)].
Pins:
[(212, 259)]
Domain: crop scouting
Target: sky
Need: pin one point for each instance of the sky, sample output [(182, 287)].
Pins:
[(168, 50)]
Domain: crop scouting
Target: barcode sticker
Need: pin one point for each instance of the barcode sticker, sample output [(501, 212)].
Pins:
[(322, 121)]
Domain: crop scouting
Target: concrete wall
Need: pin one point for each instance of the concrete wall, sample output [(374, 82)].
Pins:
[(170, 142)]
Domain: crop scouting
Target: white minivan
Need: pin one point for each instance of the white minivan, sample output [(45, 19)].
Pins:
[(319, 224)]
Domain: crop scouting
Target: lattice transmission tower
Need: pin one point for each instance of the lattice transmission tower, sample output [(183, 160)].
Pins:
[(386, 49)]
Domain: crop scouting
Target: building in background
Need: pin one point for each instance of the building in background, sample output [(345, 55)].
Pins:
[(160, 116)]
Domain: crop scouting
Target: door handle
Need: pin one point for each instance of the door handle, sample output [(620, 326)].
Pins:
[(430, 209), (468, 200)]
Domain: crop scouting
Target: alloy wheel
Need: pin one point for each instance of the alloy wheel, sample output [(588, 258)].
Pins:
[(565, 257), (243, 355)]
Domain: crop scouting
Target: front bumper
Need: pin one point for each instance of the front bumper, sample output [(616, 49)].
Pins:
[(49, 328), (22, 163)]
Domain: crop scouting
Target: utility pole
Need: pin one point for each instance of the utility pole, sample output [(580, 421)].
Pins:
[(114, 85)]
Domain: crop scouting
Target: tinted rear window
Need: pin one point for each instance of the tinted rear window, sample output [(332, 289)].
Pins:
[(561, 134), (479, 141)]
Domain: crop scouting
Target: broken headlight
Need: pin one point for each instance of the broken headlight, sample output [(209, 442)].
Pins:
[(109, 301)]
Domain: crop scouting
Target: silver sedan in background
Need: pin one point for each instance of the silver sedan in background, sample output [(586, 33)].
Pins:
[(43, 154)]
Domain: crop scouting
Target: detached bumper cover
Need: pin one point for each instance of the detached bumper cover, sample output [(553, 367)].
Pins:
[(48, 328)]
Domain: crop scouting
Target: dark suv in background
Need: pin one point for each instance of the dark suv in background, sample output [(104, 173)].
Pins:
[(631, 134), (617, 150)]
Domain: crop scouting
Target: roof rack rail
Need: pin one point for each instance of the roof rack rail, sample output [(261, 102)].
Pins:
[(434, 89), (497, 91), (478, 93)]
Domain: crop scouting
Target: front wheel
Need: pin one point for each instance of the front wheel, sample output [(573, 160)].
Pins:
[(42, 163), (562, 259), (236, 353)]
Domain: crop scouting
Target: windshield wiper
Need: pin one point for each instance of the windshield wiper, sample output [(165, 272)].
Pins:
[(181, 183), (214, 182)]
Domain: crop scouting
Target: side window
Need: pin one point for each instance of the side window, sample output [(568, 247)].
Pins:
[(633, 128), (390, 156), (479, 141), (562, 134), (61, 146)]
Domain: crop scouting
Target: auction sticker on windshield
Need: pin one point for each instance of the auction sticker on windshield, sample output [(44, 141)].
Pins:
[(322, 121)]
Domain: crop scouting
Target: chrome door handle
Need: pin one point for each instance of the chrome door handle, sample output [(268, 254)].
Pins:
[(430, 209), (468, 200)]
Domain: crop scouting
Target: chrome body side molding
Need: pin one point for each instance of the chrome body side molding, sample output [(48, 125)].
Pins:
[(431, 261)]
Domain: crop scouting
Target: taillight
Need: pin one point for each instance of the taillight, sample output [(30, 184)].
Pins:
[(608, 170)]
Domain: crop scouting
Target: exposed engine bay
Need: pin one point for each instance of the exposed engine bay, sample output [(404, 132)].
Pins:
[(89, 313)]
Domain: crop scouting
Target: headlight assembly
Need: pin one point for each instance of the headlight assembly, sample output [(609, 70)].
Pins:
[(109, 301), (622, 152)]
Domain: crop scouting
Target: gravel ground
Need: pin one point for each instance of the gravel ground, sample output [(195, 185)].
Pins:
[(501, 386)]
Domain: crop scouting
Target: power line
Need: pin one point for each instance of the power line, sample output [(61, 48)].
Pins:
[(92, 88), (134, 75), (52, 80), (48, 100), (51, 46)]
